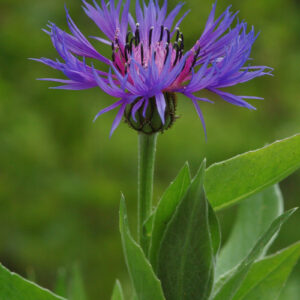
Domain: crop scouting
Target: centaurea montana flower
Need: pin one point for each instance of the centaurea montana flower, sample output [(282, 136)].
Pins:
[(149, 64)]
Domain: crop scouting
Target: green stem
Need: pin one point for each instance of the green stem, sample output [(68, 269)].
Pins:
[(146, 160)]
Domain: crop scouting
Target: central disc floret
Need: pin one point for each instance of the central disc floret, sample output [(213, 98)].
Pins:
[(147, 48)]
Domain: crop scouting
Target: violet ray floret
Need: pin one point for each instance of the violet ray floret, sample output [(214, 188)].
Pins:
[(149, 62)]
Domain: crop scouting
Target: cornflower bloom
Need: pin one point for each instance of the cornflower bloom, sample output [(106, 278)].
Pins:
[(149, 64)]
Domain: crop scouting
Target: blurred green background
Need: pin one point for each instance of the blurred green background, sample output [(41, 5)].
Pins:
[(60, 174)]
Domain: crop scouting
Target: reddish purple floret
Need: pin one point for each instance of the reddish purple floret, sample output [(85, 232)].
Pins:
[(149, 59)]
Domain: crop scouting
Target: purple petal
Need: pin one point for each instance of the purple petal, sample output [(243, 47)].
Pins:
[(101, 40), (107, 109), (193, 97), (161, 106), (200, 116), (233, 99), (145, 107), (117, 119), (136, 107)]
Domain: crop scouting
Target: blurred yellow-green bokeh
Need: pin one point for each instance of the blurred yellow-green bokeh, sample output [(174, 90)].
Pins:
[(60, 174)]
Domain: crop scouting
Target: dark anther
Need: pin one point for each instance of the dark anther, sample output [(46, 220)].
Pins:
[(130, 44), (142, 54), (180, 54), (177, 53), (150, 36), (126, 67), (183, 67), (137, 34), (168, 34), (197, 53), (182, 41), (127, 36), (113, 57), (195, 58), (154, 55), (112, 46), (177, 33), (161, 33), (167, 52), (126, 52), (181, 46), (119, 69), (136, 41), (118, 44)]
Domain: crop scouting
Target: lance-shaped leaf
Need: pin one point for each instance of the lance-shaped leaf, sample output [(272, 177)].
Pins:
[(147, 232), (165, 210), (60, 287), (76, 289), (254, 216), (291, 289), (228, 286), (14, 287), (215, 230), (237, 178), (117, 292), (146, 285), (186, 257), (267, 276)]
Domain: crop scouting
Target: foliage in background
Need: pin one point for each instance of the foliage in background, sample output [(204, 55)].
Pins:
[(60, 176)]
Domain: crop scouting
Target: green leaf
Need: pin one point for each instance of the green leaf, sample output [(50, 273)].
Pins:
[(186, 259), (117, 292), (235, 179), (147, 286), (60, 287), (267, 277), (227, 287), (165, 210), (76, 291), (14, 287), (254, 216), (147, 232), (215, 231), (292, 288)]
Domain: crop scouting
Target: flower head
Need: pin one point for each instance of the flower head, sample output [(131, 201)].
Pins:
[(149, 64)]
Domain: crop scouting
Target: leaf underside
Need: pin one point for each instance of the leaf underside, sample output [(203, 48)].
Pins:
[(254, 216), (228, 286), (267, 276)]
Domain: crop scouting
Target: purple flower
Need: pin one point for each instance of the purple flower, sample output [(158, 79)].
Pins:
[(149, 63)]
